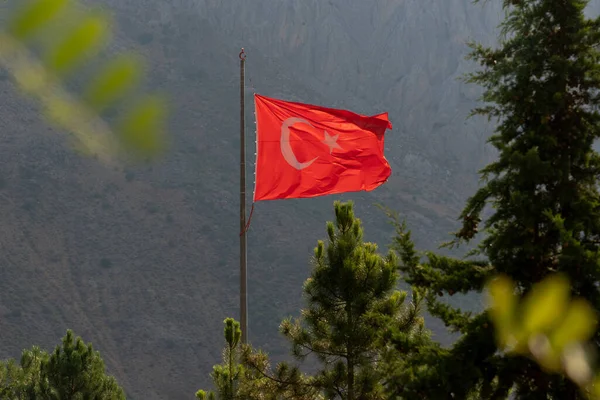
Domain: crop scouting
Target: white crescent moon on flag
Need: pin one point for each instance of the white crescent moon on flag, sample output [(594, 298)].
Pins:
[(286, 149)]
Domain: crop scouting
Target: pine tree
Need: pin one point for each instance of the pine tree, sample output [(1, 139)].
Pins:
[(246, 374), (351, 304), (542, 86), (29, 387), (73, 371), (16, 382), (355, 323), (227, 376), (284, 382)]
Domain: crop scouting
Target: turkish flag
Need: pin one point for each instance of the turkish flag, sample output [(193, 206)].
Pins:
[(307, 151)]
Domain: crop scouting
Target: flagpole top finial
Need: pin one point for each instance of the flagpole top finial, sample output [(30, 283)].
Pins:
[(242, 54)]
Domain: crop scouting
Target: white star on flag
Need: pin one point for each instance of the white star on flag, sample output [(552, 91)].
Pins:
[(331, 141)]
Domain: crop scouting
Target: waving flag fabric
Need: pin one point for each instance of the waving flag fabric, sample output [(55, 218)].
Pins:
[(307, 151)]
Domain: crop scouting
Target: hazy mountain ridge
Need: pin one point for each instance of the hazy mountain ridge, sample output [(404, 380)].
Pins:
[(143, 261)]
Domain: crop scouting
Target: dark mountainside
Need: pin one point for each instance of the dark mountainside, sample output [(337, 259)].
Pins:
[(142, 261)]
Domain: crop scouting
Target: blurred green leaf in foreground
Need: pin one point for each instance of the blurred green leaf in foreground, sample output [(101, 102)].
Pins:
[(67, 37), (547, 326)]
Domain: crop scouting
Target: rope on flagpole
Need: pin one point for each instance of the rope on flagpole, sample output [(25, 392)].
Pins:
[(249, 219)]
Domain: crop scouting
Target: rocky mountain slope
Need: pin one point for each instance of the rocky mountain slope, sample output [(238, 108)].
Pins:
[(142, 261)]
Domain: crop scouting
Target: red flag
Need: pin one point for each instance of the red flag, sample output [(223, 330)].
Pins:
[(308, 151)]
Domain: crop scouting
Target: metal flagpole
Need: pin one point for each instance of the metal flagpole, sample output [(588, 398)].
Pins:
[(243, 250)]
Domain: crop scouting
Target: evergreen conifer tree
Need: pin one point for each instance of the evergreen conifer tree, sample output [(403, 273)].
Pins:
[(245, 374), (355, 322), (542, 86), (227, 376), (73, 371), (352, 302), (21, 381)]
